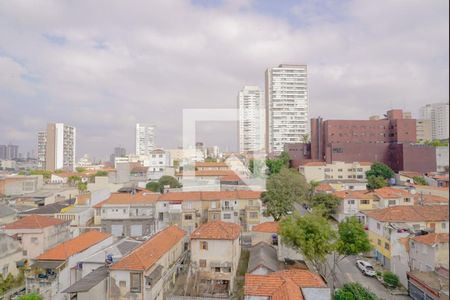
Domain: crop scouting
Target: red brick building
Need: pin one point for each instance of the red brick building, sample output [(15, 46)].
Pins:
[(390, 140)]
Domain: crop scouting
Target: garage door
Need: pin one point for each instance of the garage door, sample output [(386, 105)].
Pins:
[(117, 230), (136, 230)]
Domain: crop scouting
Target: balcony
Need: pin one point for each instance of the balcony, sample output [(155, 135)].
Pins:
[(227, 208)]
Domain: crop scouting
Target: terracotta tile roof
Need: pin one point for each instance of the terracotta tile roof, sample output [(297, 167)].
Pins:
[(147, 254), (83, 199), (212, 173), (409, 174), (76, 245), (413, 213), (139, 169), (430, 199), (141, 197), (217, 230), (432, 238), (210, 164), (223, 195), (34, 222), (269, 227), (282, 285), (180, 196), (324, 187), (388, 192), (352, 194), (365, 163), (428, 187)]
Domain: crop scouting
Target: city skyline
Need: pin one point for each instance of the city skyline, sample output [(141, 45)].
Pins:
[(104, 81)]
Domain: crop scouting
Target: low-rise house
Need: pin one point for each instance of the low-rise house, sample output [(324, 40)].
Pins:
[(20, 185), (215, 252), (79, 216), (38, 233), (266, 232), (386, 226), (319, 171), (47, 195), (388, 196), (48, 210), (10, 255), (158, 160), (346, 184), (128, 213), (147, 271), (52, 272), (432, 190), (429, 252), (352, 202), (289, 284), (94, 270), (263, 259), (428, 285), (421, 199), (211, 166)]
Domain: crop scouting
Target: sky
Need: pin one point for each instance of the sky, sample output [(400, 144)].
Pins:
[(103, 66)]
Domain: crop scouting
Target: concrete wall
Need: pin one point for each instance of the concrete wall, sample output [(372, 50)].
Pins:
[(10, 253)]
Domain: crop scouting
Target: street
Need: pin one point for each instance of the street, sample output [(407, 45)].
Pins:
[(346, 272)]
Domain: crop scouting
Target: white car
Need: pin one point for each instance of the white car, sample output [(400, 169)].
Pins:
[(366, 268)]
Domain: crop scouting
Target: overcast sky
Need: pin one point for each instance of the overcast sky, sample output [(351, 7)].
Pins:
[(102, 66)]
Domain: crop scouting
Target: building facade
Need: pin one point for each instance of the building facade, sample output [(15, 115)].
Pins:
[(251, 119), (287, 106), (319, 171), (145, 139), (8, 152), (60, 144), (424, 130), (438, 114)]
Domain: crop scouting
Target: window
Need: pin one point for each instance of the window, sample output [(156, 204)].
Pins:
[(203, 245), (226, 216), (391, 202), (351, 202), (253, 215), (226, 270), (213, 204), (135, 282), (34, 240), (188, 217), (340, 170), (444, 225), (386, 246), (202, 263), (161, 216), (378, 226), (407, 200), (250, 202), (365, 202), (217, 269)]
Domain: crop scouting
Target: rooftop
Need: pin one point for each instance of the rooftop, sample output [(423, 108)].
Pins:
[(49, 209), (412, 213), (76, 245), (140, 197), (431, 280), (263, 254), (268, 227), (89, 281), (118, 249), (217, 230), (34, 222), (430, 199), (352, 194), (6, 210), (389, 192), (432, 238), (282, 285), (147, 254)]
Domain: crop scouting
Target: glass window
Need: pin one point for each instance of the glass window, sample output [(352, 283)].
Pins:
[(135, 282), (204, 245), (202, 263)]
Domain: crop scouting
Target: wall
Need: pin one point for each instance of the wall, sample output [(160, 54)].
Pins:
[(441, 158), (10, 253)]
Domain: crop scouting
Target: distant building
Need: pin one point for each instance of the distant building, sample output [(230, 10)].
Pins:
[(287, 106), (298, 153), (438, 113), (423, 130), (60, 144), (391, 140), (9, 152), (145, 139), (118, 152), (319, 171), (251, 119)]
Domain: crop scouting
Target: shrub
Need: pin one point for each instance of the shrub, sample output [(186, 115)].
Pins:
[(391, 279), (32, 296), (354, 291)]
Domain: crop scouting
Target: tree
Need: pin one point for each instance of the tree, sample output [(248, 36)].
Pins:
[(436, 143), (101, 173), (312, 235), (170, 181), (32, 296), (46, 174), (380, 170), (375, 182), (354, 291), (275, 165), (256, 167), (311, 191), (82, 186), (283, 189), (353, 238), (391, 279), (80, 169), (328, 203), (420, 180), (73, 180), (153, 186)]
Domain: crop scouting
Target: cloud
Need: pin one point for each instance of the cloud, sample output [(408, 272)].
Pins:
[(103, 66)]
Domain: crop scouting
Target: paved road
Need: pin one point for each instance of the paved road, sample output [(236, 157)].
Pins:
[(347, 271)]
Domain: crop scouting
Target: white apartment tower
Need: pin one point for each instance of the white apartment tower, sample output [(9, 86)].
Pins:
[(251, 119), (438, 114), (287, 106), (57, 146), (145, 139)]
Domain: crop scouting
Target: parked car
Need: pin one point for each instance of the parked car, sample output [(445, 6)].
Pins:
[(365, 267)]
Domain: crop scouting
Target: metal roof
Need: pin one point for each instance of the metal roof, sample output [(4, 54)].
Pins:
[(88, 281), (263, 254)]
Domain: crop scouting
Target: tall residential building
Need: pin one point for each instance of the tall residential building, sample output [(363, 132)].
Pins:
[(251, 119), (42, 144), (60, 143), (9, 151), (287, 106), (145, 139), (438, 114), (118, 152)]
